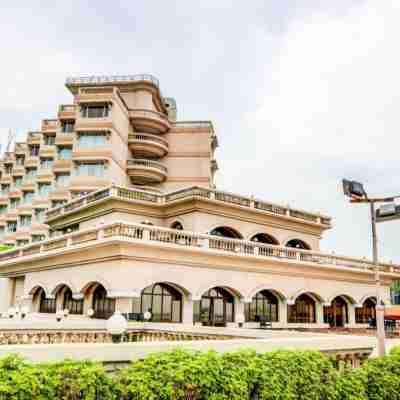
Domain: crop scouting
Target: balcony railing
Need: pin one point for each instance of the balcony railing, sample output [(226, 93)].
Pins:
[(148, 164), (67, 108), (143, 113), (95, 80), (145, 137), (190, 193), (208, 243)]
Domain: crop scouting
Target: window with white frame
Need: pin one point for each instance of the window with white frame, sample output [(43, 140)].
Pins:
[(25, 221), (62, 180), (90, 169), (14, 203), (40, 215), (95, 110), (46, 163), (12, 226), (92, 139), (44, 189), (28, 197)]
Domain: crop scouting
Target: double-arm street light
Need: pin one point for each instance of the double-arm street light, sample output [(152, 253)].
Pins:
[(357, 194)]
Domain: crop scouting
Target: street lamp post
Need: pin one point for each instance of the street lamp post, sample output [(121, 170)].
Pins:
[(357, 194)]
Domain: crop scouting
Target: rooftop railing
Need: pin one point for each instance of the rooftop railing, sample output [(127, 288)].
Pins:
[(214, 244), (95, 80), (188, 193)]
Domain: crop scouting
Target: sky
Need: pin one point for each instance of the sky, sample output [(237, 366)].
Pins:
[(302, 93)]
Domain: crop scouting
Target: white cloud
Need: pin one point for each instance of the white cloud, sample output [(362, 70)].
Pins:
[(332, 88)]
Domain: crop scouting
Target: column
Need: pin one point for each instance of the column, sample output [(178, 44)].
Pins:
[(239, 312), (6, 293), (282, 313), (187, 310), (351, 309), (319, 311)]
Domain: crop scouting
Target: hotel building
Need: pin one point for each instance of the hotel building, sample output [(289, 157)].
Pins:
[(113, 206)]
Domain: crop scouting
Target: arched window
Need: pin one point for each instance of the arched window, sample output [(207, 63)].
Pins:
[(163, 301), (336, 315), (302, 311), (298, 244), (47, 306), (177, 225), (103, 307), (367, 312), (72, 305), (225, 231), (264, 238), (263, 306), (215, 308)]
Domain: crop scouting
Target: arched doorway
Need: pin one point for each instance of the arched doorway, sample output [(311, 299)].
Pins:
[(303, 310), (298, 244), (103, 306), (264, 306), (47, 306), (216, 307), (367, 312), (336, 314), (264, 238), (226, 231), (72, 305), (163, 301)]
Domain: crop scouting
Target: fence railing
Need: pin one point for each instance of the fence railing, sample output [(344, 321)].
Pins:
[(95, 80), (192, 192), (153, 234)]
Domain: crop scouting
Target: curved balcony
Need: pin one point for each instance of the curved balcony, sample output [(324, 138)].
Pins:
[(146, 171), (149, 121), (147, 146)]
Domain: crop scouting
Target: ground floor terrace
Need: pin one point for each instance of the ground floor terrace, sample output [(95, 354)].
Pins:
[(210, 305), (169, 276)]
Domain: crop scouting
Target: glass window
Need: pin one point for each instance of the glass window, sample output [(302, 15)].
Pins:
[(67, 126), (303, 311), (14, 203), (62, 180), (28, 197), (90, 169), (25, 220), (8, 169), (12, 226), (263, 306), (103, 306), (47, 305), (57, 203), (31, 173), (19, 160), (74, 306), (5, 189), (92, 139), (38, 238), (95, 111), (40, 214), (64, 153), (34, 150), (46, 163), (22, 242), (49, 140), (18, 181), (3, 209), (44, 189)]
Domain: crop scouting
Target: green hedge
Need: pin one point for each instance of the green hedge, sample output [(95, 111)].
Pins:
[(244, 375)]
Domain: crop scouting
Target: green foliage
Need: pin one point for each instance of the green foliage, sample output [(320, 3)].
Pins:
[(241, 375), (5, 247)]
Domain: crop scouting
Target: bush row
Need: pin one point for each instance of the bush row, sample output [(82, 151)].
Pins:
[(244, 375)]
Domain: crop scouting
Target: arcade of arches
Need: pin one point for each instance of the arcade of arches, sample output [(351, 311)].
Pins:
[(217, 306)]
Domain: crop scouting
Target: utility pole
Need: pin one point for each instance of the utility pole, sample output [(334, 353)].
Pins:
[(357, 194)]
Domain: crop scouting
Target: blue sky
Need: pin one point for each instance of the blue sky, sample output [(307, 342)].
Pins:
[(302, 93)]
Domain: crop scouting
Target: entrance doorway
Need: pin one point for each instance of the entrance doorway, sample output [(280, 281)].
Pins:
[(336, 315), (217, 307)]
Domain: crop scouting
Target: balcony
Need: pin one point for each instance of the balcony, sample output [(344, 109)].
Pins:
[(34, 138), (28, 184), (62, 165), (12, 215), (149, 121), (21, 148), (64, 139), (91, 153), (47, 150), (88, 183), (15, 193), (45, 175), (49, 125), (6, 179), (146, 171), (3, 200), (66, 111), (60, 193), (18, 170), (147, 146), (31, 161)]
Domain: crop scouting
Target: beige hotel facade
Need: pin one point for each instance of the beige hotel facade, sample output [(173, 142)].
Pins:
[(113, 206)]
